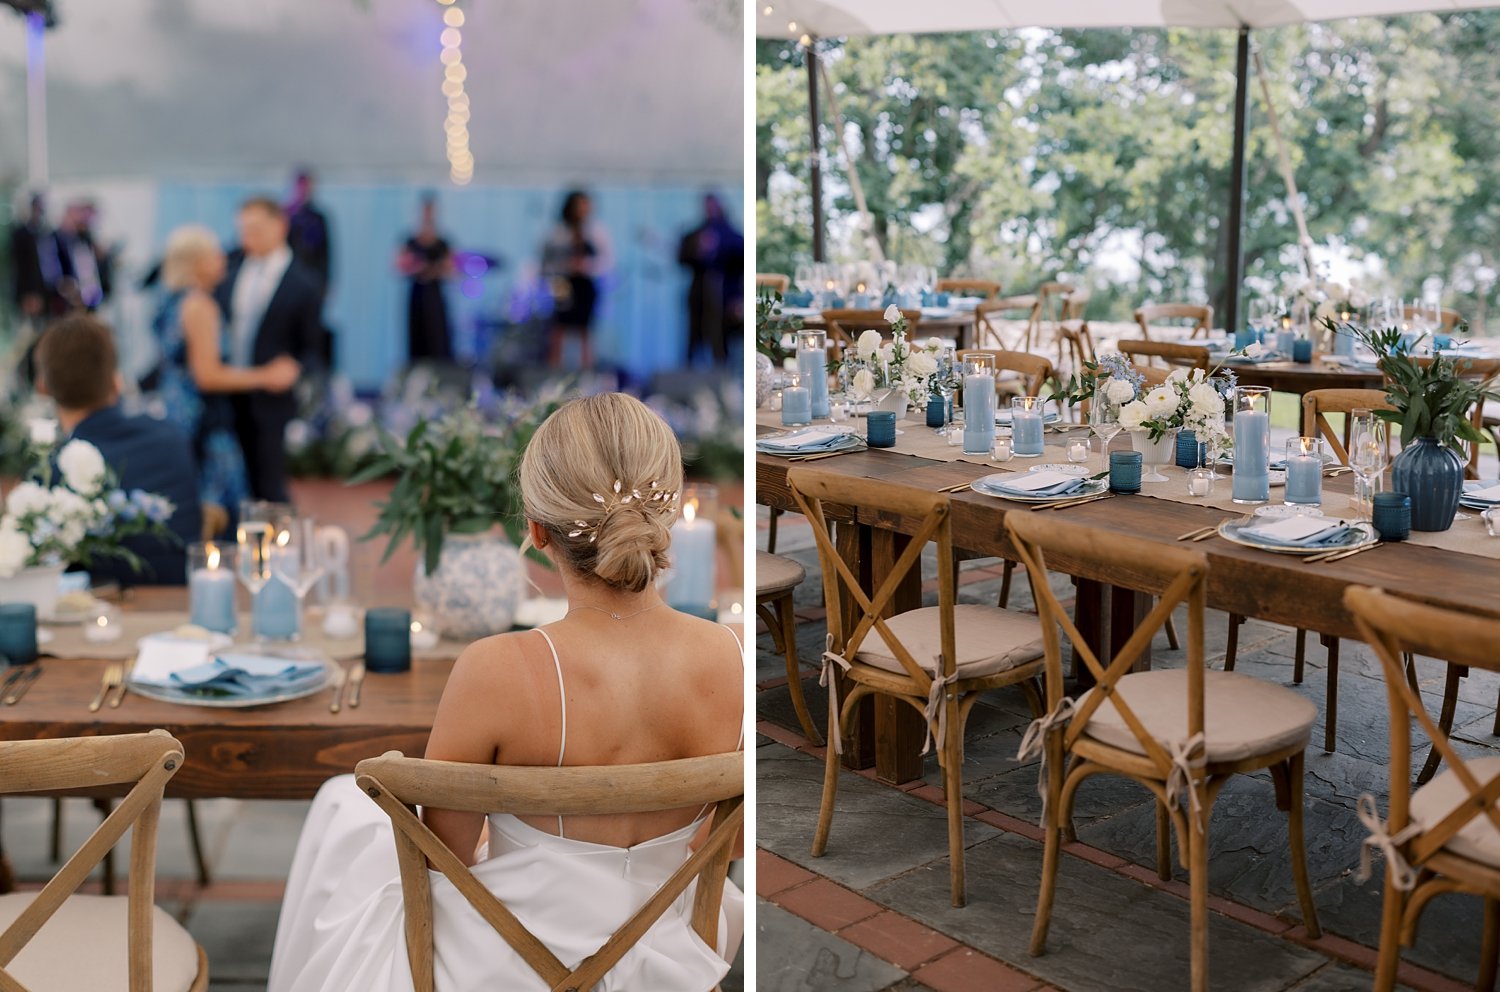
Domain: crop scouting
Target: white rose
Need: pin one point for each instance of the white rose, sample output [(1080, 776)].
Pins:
[(15, 548), (892, 314), (43, 432), (69, 506), (1132, 415), (27, 498), (1119, 391), (82, 466), (934, 344), (869, 344), (1206, 400), (1179, 374), (864, 382), (887, 352), (921, 364), (1160, 402)]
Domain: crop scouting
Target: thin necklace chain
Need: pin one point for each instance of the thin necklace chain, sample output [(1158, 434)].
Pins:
[(613, 615)]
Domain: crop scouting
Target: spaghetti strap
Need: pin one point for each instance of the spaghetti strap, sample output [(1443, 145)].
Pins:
[(562, 698), (740, 652)]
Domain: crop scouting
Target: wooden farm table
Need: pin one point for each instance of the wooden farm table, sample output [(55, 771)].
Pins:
[(281, 751), (1278, 588), (1303, 377)]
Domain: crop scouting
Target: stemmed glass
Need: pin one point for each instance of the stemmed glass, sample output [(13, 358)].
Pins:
[(946, 386), (256, 537), (805, 277), (1368, 456), (1104, 415), (297, 560), (1261, 315)]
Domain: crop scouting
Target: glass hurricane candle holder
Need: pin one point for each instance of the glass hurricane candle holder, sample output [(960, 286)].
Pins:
[(1252, 445), (796, 402), (1304, 471), (812, 366)]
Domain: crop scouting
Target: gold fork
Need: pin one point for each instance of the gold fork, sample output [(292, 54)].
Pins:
[(112, 676), (119, 697), (1198, 532)]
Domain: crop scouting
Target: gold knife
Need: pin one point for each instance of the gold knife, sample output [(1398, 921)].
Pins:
[(356, 684), (338, 680)]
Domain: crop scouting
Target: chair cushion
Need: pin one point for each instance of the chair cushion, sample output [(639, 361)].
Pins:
[(775, 574), (1478, 840), (988, 640), (1242, 716), (84, 947)]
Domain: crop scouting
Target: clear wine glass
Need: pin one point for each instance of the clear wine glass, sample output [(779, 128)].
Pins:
[(1104, 416), (1368, 456), (296, 559), (253, 562), (805, 277), (945, 387)]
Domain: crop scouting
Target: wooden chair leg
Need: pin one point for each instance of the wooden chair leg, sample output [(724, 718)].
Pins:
[(1445, 722), (787, 617), (830, 785), (1197, 841), (1010, 568), (1489, 947), (1331, 714), (1163, 842), (1496, 729), (195, 840), (105, 807), (953, 788), (1232, 643), (1294, 775), (1052, 845), (1171, 630), (1411, 671), (1299, 660), (771, 530), (1388, 957)]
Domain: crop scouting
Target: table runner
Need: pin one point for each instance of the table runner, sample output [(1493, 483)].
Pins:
[(1466, 536), (68, 641)]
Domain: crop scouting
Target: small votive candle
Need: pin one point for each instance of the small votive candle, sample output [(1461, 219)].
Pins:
[(1492, 521), (1201, 482), (1001, 452), (796, 403), (1078, 450), (340, 621), (104, 626), (423, 636), (955, 435)]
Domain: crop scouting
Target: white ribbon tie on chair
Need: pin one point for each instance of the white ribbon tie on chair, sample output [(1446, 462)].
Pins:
[(1180, 778), (831, 658), (1403, 876), (1034, 742), (935, 711)]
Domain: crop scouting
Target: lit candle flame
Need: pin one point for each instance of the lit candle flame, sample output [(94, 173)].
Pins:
[(690, 510), (213, 557)]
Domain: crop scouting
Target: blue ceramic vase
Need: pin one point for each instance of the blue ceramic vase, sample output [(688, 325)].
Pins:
[(936, 411), (1433, 476)]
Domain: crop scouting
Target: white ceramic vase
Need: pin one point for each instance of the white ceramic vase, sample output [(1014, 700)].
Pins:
[(895, 401), (479, 583), (37, 585), (1155, 454)]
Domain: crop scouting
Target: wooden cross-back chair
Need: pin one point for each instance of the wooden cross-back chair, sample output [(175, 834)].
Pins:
[(987, 288), (1445, 836), (1151, 314), (845, 326), (936, 659), (772, 280), (1079, 343), (986, 330), (1450, 318), (397, 784), (1181, 733), (1171, 353), (160, 955), (1034, 370), (1054, 305)]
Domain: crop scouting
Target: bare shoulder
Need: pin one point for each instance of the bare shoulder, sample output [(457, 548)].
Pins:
[(199, 308), (499, 657)]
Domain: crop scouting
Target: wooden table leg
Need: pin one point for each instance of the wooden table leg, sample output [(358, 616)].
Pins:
[(899, 729), (1106, 616)]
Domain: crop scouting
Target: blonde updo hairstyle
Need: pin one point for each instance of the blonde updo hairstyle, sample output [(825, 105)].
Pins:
[(580, 452), (187, 247)]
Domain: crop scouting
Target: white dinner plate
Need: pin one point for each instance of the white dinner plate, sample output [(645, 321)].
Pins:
[(1230, 530), (186, 697), (1091, 487), (1062, 468)]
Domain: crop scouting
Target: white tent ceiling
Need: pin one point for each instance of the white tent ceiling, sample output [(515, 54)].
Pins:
[(838, 18)]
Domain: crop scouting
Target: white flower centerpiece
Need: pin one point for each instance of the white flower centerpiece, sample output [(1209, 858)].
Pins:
[(70, 514), (1190, 399), (902, 372)]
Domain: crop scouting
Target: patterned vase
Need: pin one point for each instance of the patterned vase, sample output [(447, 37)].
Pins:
[(1189, 452), (895, 401), (765, 379), (1433, 476), (479, 583), (37, 585)]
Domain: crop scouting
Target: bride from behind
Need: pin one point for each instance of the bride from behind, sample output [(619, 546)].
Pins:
[(621, 679)]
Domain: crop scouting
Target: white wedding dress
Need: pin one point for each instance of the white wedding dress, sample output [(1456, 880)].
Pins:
[(341, 926)]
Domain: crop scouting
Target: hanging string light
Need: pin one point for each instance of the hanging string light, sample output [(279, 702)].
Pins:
[(456, 125)]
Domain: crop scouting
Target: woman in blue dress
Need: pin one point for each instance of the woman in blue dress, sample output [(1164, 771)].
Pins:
[(195, 383)]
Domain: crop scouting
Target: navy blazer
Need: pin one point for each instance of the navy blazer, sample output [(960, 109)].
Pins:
[(154, 455)]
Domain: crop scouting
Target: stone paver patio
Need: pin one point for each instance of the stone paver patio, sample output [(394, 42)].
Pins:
[(873, 913)]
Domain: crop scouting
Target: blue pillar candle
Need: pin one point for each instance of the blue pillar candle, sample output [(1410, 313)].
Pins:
[(387, 640), (1286, 341), (275, 615), (1026, 426), (1343, 343), (211, 592), (796, 404), (1304, 471), (1252, 445), (812, 366), (694, 552), (979, 413), (18, 632)]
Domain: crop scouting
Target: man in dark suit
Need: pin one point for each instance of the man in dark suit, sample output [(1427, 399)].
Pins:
[(28, 270), (272, 306), (77, 367), (311, 239), (84, 268)]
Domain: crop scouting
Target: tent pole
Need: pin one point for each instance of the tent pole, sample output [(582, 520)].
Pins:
[(1235, 270), (36, 101), (809, 48)]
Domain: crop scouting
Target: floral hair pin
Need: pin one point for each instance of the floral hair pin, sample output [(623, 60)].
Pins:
[(655, 498)]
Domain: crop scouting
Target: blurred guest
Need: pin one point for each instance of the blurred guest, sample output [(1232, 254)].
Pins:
[(193, 380), (84, 266), (78, 368), (427, 260), (33, 260), (311, 241), (575, 259), (714, 252), (273, 309)]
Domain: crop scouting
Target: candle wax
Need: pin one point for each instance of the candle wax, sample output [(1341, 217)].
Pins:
[(1304, 479)]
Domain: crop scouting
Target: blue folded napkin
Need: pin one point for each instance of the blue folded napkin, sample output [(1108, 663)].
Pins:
[(805, 440), (1033, 484), (250, 675), (1302, 532)]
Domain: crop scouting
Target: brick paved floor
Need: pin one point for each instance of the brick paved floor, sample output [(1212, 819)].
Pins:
[(873, 913)]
